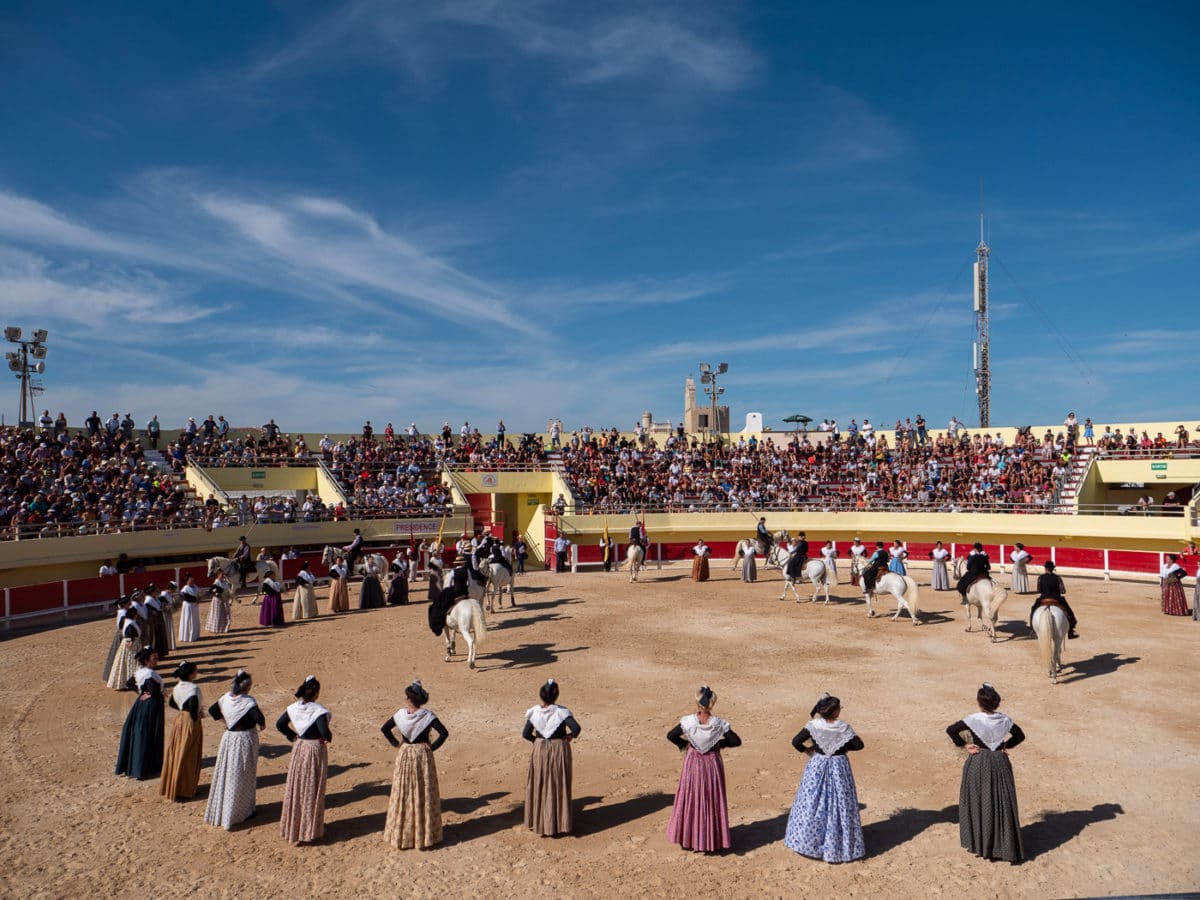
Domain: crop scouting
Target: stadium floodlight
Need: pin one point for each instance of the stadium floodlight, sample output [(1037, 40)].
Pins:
[(705, 377), (39, 336), (722, 368), (12, 355), (38, 351), (38, 367), (705, 368), (12, 333), (15, 365)]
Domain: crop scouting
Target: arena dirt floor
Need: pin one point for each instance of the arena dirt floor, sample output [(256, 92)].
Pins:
[(1106, 780)]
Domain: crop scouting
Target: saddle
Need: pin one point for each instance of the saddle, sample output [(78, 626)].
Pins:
[(477, 576), (1049, 601)]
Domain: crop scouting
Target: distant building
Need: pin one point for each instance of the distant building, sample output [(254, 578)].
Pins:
[(696, 419)]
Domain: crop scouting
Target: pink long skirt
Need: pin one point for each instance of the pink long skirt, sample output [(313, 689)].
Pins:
[(303, 817), (700, 816)]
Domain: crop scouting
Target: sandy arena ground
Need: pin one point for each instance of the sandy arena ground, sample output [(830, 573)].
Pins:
[(1106, 780)]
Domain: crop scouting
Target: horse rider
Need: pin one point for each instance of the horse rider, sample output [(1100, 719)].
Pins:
[(497, 550), (978, 566), (798, 559), (1052, 592), (241, 558), (635, 537), (877, 564), (353, 551), (764, 536), (441, 604)]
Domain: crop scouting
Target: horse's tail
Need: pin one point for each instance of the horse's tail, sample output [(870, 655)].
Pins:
[(999, 595), (913, 594), (478, 622)]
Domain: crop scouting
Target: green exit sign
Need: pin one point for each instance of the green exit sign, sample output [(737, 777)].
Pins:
[(258, 474), (1158, 467)]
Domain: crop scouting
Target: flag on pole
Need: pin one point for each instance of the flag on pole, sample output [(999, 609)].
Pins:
[(441, 530), (606, 539)]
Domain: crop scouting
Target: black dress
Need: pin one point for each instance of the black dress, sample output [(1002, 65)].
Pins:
[(140, 754), (988, 821)]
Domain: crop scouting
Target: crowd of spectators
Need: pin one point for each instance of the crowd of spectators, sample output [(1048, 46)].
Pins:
[(54, 483), (867, 471)]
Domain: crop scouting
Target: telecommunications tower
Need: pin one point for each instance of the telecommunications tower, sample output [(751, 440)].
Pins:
[(982, 352)]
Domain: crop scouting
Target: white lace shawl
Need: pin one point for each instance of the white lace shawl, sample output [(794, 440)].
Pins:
[(303, 713), (830, 736), (184, 691), (991, 728), (703, 737), (411, 724), (234, 707), (546, 719)]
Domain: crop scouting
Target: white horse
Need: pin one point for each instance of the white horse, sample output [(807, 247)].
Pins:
[(635, 556), (1050, 625), (498, 580), (262, 568), (772, 559), (985, 597), (903, 588), (465, 618), (476, 590), (816, 572), (365, 561)]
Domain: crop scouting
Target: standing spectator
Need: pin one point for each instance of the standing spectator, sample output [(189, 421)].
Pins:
[(464, 433), (988, 821), (222, 427), (1173, 601), (560, 505), (60, 424), (522, 552), (44, 420), (113, 425), (1072, 426), (1089, 432), (209, 428), (368, 433), (922, 430), (700, 814), (555, 435), (92, 424), (824, 821), (412, 431), (153, 430), (561, 546), (271, 430)]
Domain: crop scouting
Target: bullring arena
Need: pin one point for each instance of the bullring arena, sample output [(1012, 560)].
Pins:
[(1105, 778)]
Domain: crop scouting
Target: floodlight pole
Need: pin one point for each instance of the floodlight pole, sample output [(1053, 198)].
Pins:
[(21, 366), (982, 354)]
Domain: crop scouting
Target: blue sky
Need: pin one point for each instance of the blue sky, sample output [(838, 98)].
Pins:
[(475, 208)]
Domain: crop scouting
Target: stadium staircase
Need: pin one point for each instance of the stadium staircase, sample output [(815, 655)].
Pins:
[(554, 462), (1068, 493)]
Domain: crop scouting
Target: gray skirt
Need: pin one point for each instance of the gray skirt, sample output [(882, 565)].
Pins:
[(988, 822)]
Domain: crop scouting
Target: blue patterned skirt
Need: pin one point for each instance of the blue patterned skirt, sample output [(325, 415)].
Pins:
[(897, 565), (824, 823)]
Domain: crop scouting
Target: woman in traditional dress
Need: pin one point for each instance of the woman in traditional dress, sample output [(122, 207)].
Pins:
[(303, 817), (166, 599), (550, 728), (235, 773), (218, 610), (988, 823), (181, 768), (339, 594), (270, 615), (1020, 569), (122, 655), (829, 557), (304, 603), (1174, 603), (397, 592), (156, 623), (140, 754), (414, 816), (700, 815), (897, 555), (370, 593), (824, 821), (189, 615), (700, 562), (941, 576), (749, 566), (1196, 589)]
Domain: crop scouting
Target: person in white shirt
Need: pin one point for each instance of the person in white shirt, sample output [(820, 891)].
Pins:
[(108, 568), (1020, 573), (561, 546)]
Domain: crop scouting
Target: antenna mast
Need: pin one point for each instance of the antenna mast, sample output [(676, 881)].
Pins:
[(982, 350)]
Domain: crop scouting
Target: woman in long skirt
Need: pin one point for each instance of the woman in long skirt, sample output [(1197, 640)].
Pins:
[(397, 592), (181, 767), (339, 593), (303, 817), (235, 773), (156, 623), (896, 557), (700, 554), (218, 610), (123, 651), (1196, 596), (304, 603), (140, 754), (271, 613), (749, 566), (1020, 569), (829, 557), (550, 728), (414, 816), (1174, 603), (941, 576), (189, 615), (824, 822), (988, 822), (166, 599), (700, 815), (370, 593)]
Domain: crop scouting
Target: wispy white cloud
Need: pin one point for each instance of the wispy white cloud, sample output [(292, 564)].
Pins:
[(624, 42)]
